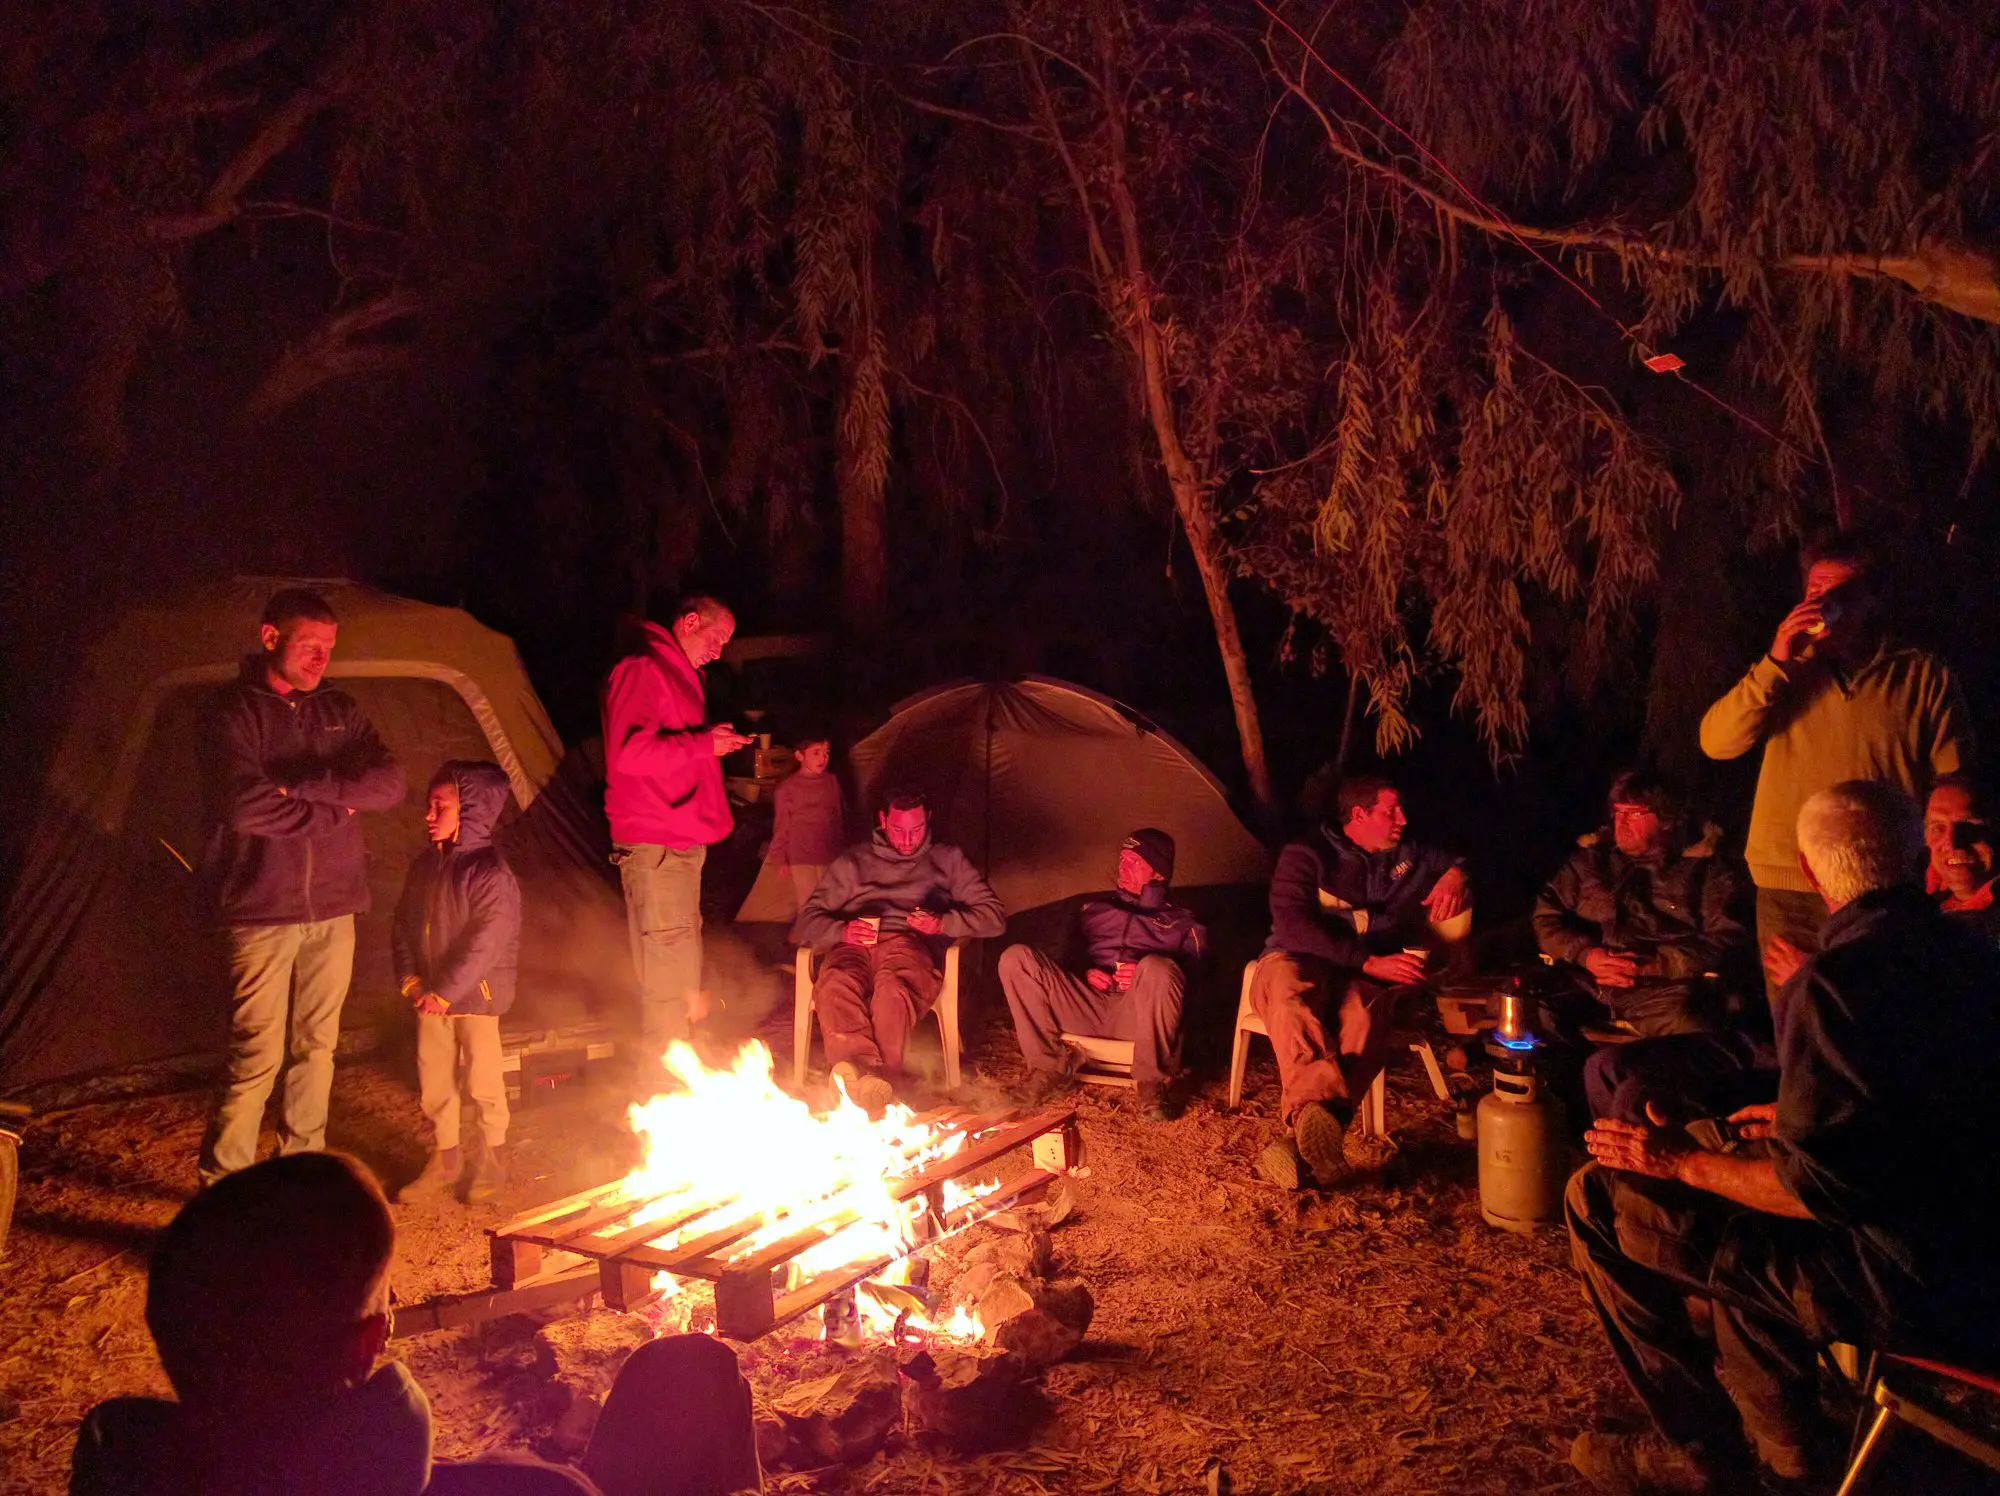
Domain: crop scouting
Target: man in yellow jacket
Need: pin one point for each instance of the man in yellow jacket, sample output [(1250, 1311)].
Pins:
[(1833, 700)]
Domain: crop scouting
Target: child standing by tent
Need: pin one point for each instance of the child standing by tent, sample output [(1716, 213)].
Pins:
[(809, 820), (457, 940)]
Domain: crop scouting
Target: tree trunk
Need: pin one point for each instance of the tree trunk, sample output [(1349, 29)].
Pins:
[(861, 475)]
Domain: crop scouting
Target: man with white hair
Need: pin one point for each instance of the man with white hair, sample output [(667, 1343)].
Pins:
[(1853, 1208)]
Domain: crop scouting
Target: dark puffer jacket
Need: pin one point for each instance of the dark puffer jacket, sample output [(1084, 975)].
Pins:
[(1114, 927), (1332, 900), (286, 774), (1681, 914), (458, 923)]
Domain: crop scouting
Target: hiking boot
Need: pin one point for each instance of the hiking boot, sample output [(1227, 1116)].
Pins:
[(487, 1178), (1645, 1464), (868, 1089), (1153, 1105), (440, 1173), (1319, 1136), (1281, 1165)]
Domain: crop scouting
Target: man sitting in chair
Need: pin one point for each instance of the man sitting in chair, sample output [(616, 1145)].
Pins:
[(1354, 912), (879, 923), (1961, 878), (1855, 1213), (1638, 922), (1136, 951)]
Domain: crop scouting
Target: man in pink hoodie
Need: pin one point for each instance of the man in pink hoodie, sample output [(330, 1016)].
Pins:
[(664, 798)]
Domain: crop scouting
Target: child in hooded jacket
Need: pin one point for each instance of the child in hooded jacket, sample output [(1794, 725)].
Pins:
[(457, 942)]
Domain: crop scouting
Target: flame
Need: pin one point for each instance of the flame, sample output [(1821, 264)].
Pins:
[(730, 1140)]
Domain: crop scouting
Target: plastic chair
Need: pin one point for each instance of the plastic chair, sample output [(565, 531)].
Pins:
[(1895, 1406), (1101, 1061), (945, 1011), (1370, 1114)]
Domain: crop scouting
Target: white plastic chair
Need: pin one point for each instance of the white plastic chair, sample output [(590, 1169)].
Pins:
[(945, 1011), (1369, 1114)]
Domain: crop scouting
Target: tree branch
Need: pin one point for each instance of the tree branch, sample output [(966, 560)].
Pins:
[(334, 350)]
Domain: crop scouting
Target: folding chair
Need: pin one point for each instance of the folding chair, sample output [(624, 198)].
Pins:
[(946, 1013), (1898, 1406)]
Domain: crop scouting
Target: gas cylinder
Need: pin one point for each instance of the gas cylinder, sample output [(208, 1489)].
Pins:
[(1521, 1152)]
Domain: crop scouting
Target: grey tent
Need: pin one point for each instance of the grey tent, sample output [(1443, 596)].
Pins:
[(107, 957), (1037, 780)]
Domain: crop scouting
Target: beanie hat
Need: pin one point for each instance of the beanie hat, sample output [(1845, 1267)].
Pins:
[(1155, 846)]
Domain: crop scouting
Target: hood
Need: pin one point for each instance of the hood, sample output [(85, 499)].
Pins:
[(1710, 840), (482, 795), (885, 848)]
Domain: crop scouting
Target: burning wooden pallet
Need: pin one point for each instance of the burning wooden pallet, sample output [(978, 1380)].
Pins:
[(752, 1291)]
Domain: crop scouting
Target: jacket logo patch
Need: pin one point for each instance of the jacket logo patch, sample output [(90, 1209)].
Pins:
[(1401, 868)]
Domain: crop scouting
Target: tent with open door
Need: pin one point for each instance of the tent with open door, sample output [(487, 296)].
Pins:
[(107, 955), (1038, 780)]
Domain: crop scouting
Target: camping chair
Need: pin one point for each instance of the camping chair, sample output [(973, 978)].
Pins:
[(1370, 1114), (1896, 1406), (946, 1012)]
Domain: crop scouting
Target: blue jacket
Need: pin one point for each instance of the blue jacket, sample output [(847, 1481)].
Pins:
[(286, 774), (1323, 880), (458, 923), (1114, 927)]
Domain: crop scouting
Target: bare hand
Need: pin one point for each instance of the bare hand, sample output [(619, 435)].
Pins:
[(1610, 968), (1801, 626), (1399, 970), (1782, 960), (727, 739), (1446, 900), (859, 932), (923, 922), (1655, 1152), (431, 1003), (1757, 1121), (1101, 980), (1123, 975)]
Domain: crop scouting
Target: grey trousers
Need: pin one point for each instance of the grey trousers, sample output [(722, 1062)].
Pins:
[(663, 916), (290, 982), (442, 1043), (1047, 1002)]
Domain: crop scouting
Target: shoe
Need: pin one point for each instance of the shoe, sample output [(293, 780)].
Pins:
[(1319, 1136), (1045, 1086), (488, 1176), (1281, 1165), (1153, 1102), (1645, 1464), (868, 1089), (435, 1182)]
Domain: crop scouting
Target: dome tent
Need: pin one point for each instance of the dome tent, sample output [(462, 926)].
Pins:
[(1038, 780), (106, 954)]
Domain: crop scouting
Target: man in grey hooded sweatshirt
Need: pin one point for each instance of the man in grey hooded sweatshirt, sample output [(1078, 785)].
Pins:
[(880, 921)]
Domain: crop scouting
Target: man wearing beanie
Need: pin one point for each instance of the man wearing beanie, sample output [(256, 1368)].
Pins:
[(1135, 952)]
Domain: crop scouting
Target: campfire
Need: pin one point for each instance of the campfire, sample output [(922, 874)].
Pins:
[(748, 1194)]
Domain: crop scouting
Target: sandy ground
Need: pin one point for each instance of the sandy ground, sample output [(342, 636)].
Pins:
[(1383, 1339)]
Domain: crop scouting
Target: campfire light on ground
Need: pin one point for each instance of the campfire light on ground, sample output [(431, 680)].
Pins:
[(732, 1137)]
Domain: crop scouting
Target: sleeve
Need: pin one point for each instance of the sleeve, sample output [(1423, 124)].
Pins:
[(781, 825), (1736, 722), (1559, 930), (1194, 943), (1723, 944), (1950, 735), (1821, 1146), (637, 737), (976, 911), (823, 920), (403, 933), (495, 900), (1297, 923), (366, 777), (253, 804)]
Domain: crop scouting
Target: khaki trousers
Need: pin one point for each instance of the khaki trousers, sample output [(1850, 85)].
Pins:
[(1331, 1032), (290, 983), (869, 998), (443, 1043), (1048, 1002), (663, 918)]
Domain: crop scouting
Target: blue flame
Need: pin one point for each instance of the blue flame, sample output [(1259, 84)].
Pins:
[(1527, 1042)]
